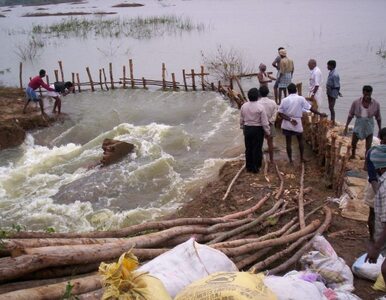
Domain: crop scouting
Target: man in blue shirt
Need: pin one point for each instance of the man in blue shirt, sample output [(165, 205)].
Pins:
[(332, 88)]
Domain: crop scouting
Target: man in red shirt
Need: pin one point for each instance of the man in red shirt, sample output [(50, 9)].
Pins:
[(34, 84)]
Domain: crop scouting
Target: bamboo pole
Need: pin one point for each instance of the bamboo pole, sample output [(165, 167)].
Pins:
[(124, 77), (193, 80), (56, 72), (174, 82), (144, 82), (202, 78), (184, 77), (61, 69), (100, 79), (163, 76), (78, 82), (131, 73), (90, 78), (233, 182), (111, 76), (21, 75), (105, 79)]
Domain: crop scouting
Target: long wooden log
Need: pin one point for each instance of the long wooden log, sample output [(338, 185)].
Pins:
[(248, 211), (17, 267), (233, 182), (12, 244), (301, 200), (245, 249), (124, 232), (94, 295), (245, 227), (284, 266), (262, 265), (22, 285), (56, 291)]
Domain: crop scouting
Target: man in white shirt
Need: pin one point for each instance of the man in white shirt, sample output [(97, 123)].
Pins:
[(254, 122), (291, 111), (315, 93), (270, 108)]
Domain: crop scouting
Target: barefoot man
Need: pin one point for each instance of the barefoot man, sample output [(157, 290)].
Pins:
[(34, 84), (291, 111)]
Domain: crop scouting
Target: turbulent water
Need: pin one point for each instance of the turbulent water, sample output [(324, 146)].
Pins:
[(181, 138), (179, 143)]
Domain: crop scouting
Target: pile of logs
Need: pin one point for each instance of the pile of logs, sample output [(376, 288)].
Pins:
[(40, 265)]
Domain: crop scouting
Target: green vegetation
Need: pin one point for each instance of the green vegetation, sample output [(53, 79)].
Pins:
[(138, 28)]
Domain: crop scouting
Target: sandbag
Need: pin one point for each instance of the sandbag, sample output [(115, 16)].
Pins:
[(379, 284), (186, 263), (334, 271), (365, 269), (291, 288), (228, 285), (122, 281)]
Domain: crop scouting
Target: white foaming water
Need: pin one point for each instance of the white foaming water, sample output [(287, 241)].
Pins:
[(49, 181)]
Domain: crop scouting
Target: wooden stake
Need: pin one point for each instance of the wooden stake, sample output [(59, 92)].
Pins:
[(212, 86), (174, 82), (56, 75), (193, 81), (301, 200), (73, 80), (90, 78), (78, 82), (124, 77), (163, 76), (231, 83), (21, 75), (100, 79), (105, 78), (299, 88), (144, 82), (202, 78), (240, 87), (111, 76), (131, 73), (47, 80), (184, 77), (61, 70)]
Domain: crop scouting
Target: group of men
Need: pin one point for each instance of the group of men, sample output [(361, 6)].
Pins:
[(55, 91), (257, 119)]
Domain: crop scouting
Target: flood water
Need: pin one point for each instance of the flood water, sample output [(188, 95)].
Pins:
[(181, 139)]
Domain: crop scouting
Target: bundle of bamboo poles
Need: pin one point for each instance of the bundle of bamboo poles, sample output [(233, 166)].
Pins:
[(39, 265)]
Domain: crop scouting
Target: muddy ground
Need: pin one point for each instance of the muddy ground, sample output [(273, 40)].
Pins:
[(348, 237)]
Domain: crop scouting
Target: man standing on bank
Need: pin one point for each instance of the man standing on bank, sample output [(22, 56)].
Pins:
[(332, 88), (365, 109), (254, 122), (291, 111), (34, 84), (270, 108), (315, 93)]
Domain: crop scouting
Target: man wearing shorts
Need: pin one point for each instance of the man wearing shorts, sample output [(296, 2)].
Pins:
[(276, 65), (270, 108), (61, 88), (33, 85), (291, 111)]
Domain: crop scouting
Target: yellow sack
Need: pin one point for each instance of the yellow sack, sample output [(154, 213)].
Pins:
[(379, 285), (228, 285), (122, 282)]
